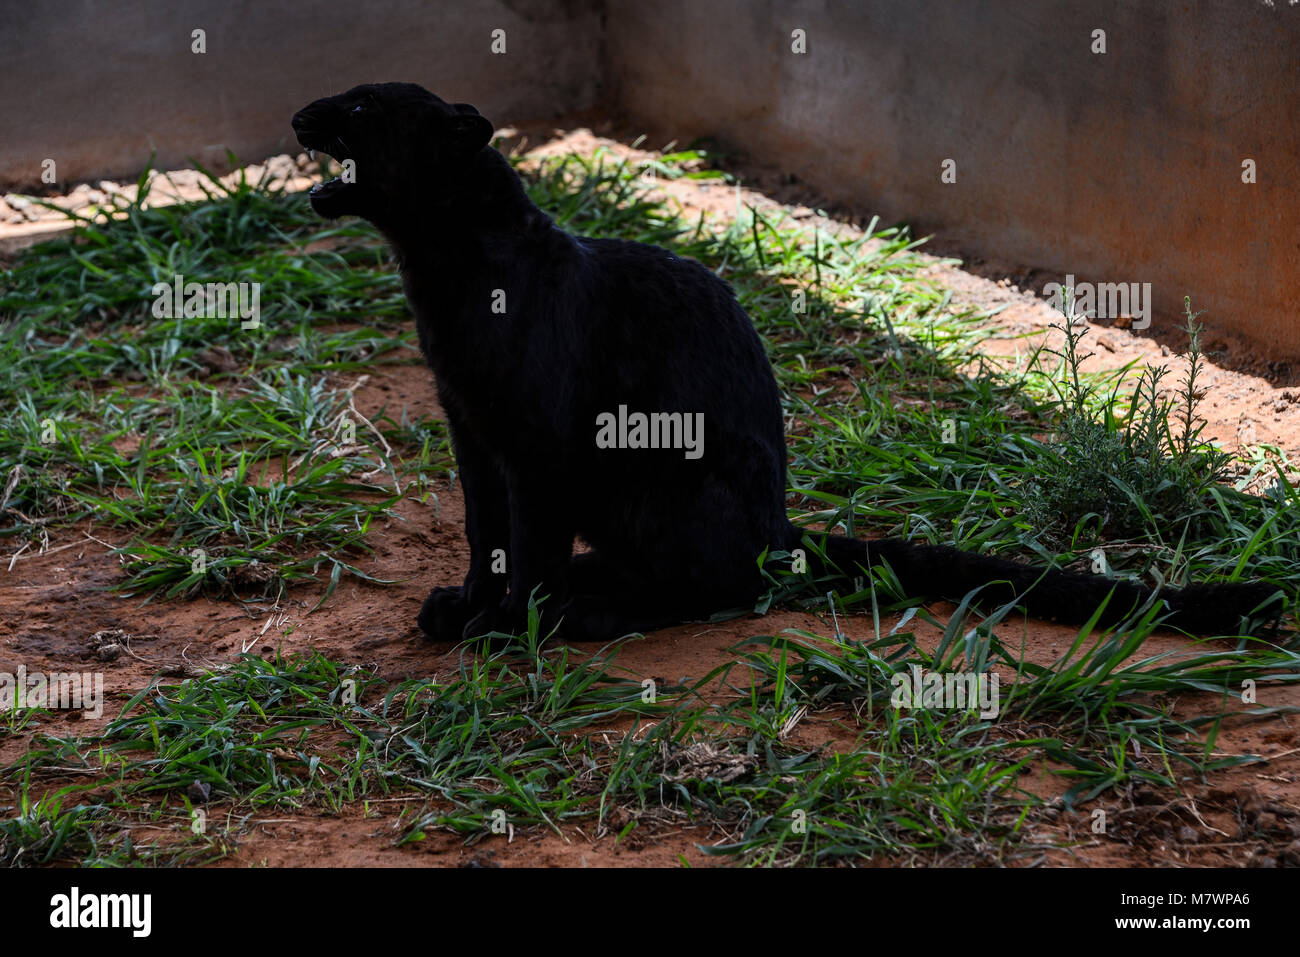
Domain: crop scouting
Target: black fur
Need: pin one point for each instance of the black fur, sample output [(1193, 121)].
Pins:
[(590, 325)]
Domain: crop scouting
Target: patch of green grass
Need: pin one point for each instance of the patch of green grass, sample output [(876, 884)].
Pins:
[(528, 736), (71, 824), (232, 459), (236, 461)]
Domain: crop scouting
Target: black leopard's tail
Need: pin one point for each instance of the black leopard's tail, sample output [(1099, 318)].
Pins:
[(939, 572)]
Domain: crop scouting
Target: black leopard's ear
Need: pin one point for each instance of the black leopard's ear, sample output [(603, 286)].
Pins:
[(468, 132)]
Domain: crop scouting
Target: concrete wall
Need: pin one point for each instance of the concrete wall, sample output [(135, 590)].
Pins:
[(1124, 166), (96, 86), (1118, 167)]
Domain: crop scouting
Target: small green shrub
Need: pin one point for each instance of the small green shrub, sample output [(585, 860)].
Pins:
[(1140, 476)]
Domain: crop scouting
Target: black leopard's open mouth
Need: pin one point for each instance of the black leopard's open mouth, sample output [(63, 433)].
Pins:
[(314, 145), (330, 197)]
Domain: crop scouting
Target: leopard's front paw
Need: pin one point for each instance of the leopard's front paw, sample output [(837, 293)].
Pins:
[(444, 614)]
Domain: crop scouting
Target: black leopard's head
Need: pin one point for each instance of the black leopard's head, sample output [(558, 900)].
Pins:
[(395, 141)]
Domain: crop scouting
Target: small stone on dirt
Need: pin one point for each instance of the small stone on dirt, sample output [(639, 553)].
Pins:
[(198, 792), (108, 645), (217, 359)]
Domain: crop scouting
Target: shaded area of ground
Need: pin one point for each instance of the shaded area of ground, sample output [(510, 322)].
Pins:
[(55, 603)]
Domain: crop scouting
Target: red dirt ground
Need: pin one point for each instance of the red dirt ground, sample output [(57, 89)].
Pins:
[(52, 602)]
